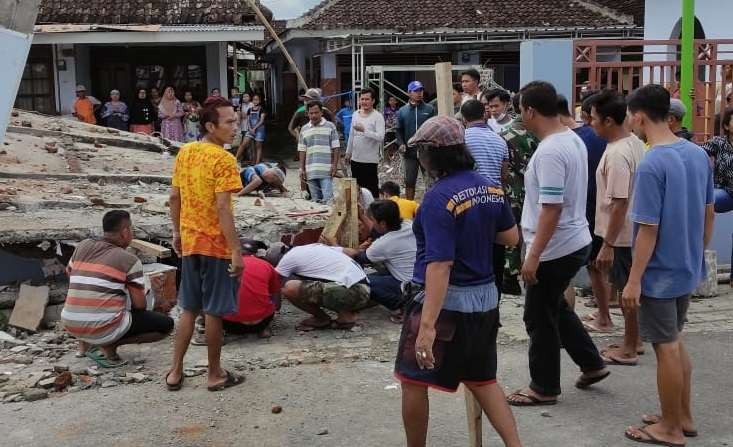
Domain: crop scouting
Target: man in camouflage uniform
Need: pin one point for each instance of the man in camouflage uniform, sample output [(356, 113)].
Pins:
[(522, 145)]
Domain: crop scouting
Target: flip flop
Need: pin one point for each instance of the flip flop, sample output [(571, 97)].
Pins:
[(533, 401), (617, 346), (305, 327), (174, 386), (231, 380), (343, 326), (584, 382), (590, 327), (96, 355), (650, 419), (651, 439), (614, 360)]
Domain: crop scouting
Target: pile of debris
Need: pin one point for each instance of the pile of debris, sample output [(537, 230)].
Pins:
[(30, 369)]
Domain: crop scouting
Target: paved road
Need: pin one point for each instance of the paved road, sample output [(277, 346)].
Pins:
[(358, 403)]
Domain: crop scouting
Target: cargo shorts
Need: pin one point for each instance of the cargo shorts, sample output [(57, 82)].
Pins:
[(335, 297)]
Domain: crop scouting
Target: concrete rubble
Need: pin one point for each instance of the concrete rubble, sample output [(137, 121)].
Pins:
[(57, 179)]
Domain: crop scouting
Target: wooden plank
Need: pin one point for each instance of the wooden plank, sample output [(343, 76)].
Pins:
[(342, 228), (338, 216), (444, 86), (351, 226), (474, 414), (151, 249), (29, 307)]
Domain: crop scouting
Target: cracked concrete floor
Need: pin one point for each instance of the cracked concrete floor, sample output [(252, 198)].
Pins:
[(337, 389)]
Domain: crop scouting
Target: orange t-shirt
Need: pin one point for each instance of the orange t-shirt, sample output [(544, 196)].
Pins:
[(202, 170), (84, 109)]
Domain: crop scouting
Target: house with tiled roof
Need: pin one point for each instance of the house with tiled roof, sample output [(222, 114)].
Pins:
[(129, 44), (340, 37)]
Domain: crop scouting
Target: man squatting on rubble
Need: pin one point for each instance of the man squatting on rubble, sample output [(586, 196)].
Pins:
[(106, 306)]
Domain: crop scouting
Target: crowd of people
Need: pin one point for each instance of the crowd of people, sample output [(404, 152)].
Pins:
[(517, 189)]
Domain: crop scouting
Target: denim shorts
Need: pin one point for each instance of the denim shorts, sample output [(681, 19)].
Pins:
[(662, 319), (206, 286)]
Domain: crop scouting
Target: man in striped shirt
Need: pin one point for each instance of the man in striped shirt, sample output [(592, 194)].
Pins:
[(318, 151), (105, 305), (491, 154)]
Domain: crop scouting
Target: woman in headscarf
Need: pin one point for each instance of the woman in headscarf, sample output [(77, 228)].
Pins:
[(142, 114), (191, 118), (115, 113), (170, 112)]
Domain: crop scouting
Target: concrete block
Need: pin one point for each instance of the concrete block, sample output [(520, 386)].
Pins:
[(30, 307), (52, 314)]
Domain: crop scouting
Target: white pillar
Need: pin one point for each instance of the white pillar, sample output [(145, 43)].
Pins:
[(16, 46), (548, 60), (223, 70)]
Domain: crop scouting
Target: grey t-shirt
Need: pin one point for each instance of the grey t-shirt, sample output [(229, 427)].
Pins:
[(397, 249)]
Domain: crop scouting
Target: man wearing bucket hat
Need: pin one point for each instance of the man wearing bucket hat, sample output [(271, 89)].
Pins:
[(452, 316), (409, 119)]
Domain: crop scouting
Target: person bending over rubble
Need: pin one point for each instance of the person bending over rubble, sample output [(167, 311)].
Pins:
[(323, 277), (105, 305), (396, 248), (263, 176)]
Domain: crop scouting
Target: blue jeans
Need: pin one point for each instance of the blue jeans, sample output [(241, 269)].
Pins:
[(321, 189), (385, 290), (723, 201)]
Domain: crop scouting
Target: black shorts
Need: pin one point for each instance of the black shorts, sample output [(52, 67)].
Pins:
[(146, 321), (595, 248), (232, 327), (621, 267), (464, 349)]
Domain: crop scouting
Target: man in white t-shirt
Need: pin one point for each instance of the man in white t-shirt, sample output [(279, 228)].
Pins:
[(615, 187), (558, 243), (395, 249), (318, 277)]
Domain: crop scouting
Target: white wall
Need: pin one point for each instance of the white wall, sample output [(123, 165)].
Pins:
[(548, 60), (66, 81), (15, 52), (661, 16)]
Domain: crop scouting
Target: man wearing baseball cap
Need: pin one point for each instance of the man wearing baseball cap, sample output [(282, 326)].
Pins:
[(409, 119), (677, 111), (452, 316)]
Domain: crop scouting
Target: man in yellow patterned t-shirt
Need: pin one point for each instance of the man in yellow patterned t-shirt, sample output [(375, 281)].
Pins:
[(204, 177)]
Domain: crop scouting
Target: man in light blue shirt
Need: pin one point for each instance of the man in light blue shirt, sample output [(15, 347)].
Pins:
[(672, 213)]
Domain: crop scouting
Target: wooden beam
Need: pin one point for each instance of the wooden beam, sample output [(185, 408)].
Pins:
[(286, 53), (444, 86), (342, 228), (151, 249)]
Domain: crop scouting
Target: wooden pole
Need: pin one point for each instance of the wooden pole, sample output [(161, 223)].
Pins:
[(286, 53), (444, 86)]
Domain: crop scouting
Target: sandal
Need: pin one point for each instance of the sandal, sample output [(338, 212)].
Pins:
[(343, 325), (639, 351), (650, 419), (231, 380), (174, 386), (533, 401), (650, 439), (611, 359), (584, 381), (96, 355), (307, 325)]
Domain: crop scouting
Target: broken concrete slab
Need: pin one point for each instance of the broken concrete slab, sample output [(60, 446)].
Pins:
[(52, 314), (127, 143), (30, 307)]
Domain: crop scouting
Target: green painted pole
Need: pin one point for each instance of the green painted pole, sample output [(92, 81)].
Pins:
[(687, 82)]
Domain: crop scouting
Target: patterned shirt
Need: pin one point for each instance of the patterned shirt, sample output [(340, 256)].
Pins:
[(97, 305), (522, 144), (488, 149), (318, 142), (201, 171), (721, 150)]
